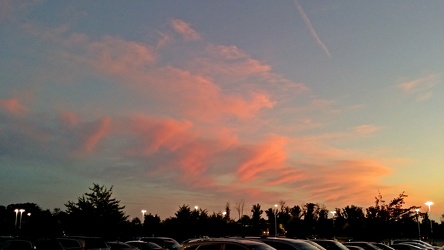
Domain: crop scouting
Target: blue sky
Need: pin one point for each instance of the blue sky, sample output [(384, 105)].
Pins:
[(205, 102)]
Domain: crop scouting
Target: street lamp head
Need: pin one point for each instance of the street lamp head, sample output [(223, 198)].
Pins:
[(16, 210), (417, 210), (22, 210), (429, 203), (196, 207)]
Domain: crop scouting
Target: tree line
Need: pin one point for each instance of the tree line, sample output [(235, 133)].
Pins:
[(98, 213)]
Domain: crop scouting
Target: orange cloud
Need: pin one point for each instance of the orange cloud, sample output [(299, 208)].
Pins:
[(421, 88), (69, 119), (198, 96), (366, 129), (270, 155), (345, 180), (13, 106), (154, 134), (116, 56), (95, 134), (185, 30)]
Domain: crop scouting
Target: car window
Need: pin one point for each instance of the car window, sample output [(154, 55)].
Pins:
[(230, 246), (279, 245), (216, 246)]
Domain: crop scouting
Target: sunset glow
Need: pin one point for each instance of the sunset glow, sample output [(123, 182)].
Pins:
[(208, 102)]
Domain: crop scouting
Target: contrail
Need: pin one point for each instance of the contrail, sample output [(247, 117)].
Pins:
[(310, 27)]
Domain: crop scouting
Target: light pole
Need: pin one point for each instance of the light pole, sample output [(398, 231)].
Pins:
[(275, 220), (417, 220), (21, 213), (16, 214), (143, 214), (429, 203), (333, 218)]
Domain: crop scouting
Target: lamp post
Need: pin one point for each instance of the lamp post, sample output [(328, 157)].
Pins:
[(143, 214), (333, 218), (429, 203), (21, 213), (16, 214), (275, 220), (417, 220)]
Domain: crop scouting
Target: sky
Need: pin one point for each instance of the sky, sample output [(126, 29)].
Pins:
[(204, 103)]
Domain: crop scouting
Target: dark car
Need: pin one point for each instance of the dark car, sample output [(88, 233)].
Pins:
[(70, 244), (315, 244), (288, 244), (330, 244), (383, 246), (406, 246), (88, 243), (5, 238), (118, 245), (419, 243), (143, 245), (164, 242), (362, 244), (226, 244), (17, 244)]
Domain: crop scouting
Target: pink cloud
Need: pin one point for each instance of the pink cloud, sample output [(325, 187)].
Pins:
[(270, 155), (154, 134), (421, 88), (185, 30), (69, 119), (366, 129), (116, 56), (13, 106), (345, 180), (198, 96), (94, 134)]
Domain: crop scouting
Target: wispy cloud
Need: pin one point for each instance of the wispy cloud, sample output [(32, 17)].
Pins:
[(185, 30), (311, 28), (13, 106), (421, 88)]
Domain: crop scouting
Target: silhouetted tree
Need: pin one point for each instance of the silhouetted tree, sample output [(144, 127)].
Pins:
[(239, 206), (256, 212), (151, 224), (227, 211), (96, 214)]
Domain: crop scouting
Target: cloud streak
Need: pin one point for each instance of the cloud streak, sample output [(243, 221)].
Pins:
[(311, 29)]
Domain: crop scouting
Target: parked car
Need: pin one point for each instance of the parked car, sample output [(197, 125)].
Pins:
[(49, 244), (89, 243), (226, 244), (165, 242), (405, 246), (287, 243), (143, 245), (355, 248), (5, 238), (383, 246), (118, 245), (330, 244), (417, 243), (70, 244), (362, 244), (315, 244), (17, 244)]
